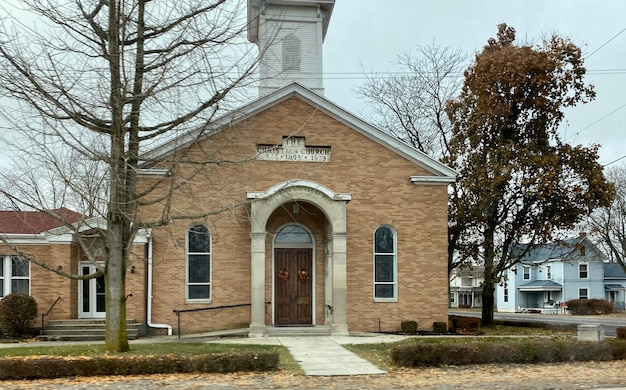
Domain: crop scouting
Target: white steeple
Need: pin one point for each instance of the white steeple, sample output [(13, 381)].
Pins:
[(289, 34)]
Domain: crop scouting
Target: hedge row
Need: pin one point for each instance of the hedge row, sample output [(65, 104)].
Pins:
[(590, 306), (525, 351), (33, 367)]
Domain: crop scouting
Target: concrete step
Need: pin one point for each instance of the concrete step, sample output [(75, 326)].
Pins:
[(84, 330), (298, 331)]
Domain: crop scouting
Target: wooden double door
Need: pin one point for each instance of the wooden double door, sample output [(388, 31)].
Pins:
[(293, 286)]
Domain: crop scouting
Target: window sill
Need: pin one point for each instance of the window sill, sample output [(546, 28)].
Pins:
[(194, 301), (383, 300)]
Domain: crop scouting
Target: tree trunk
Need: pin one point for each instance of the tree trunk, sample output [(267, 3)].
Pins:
[(490, 272), (116, 338)]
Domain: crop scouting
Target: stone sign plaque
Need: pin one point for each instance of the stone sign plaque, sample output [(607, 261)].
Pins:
[(293, 149)]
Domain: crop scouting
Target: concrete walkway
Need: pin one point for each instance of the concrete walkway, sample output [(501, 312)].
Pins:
[(324, 355)]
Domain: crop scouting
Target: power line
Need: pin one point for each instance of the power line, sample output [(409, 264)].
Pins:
[(593, 123), (605, 43), (614, 161)]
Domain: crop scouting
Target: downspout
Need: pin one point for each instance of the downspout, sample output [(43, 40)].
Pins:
[(149, 314)]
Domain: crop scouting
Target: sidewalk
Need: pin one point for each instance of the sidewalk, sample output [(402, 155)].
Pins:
[(324, 355)]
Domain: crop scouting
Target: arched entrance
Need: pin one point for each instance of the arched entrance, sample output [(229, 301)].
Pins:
[(333, 206), (294, 276)]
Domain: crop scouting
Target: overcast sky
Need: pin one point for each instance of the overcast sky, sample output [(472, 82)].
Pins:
[(369, 35)]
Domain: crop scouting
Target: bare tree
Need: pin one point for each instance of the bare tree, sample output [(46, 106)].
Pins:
[(124, 76), (410, 105), (608, 224)]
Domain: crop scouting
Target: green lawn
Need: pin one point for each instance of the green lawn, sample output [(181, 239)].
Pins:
[(378, 354)]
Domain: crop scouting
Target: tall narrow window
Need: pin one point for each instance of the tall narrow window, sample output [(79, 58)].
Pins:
[(506, 294), (385, 264), (526, 272), (14, 275), (549, 272), (583, 271), (198, 263), (291, 54)]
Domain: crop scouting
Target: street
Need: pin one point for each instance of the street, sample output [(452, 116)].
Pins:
[(609, 322)]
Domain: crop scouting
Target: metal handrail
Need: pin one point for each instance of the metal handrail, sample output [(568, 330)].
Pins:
[(178, 312), (48, 312)]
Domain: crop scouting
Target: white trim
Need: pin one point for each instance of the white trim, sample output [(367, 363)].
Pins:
[(92, 313), (187, 253), (297, 183), (395, 264), (432, 180), (154, 172)]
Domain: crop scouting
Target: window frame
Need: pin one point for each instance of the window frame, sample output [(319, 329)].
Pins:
[(188, 284), (526, 275), (506, 295), (580, 272), (7, 277), (585, 295), (394, 254), (548, 272)]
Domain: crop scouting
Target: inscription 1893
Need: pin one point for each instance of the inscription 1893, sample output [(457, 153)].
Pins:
[(293, 149)]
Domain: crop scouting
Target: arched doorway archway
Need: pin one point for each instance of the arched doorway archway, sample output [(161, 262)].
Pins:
[(333, 205)]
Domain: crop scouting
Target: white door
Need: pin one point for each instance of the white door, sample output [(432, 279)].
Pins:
[(91, 298)]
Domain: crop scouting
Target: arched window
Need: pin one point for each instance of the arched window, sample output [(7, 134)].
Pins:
[(291, 54), (293, 234), (198, 263), (385, 264)]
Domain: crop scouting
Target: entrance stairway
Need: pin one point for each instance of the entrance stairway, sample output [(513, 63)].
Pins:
[(298, 331), (83, 330)]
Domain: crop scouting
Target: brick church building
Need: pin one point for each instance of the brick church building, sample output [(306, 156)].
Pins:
[(324, 220)]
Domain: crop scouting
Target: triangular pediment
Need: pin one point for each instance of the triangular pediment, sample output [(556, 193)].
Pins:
[(440, 172)]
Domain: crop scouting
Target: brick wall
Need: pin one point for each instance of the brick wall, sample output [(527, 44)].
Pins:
[(377, 179)]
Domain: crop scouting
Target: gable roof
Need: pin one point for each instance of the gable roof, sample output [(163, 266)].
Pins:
[(34, 222), (440, 172), (558, 250), (614, 271)]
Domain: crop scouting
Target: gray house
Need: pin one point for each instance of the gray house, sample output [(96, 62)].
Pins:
[(615, 284), (553, 273)]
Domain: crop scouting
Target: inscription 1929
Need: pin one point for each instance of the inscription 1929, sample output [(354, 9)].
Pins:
[(293, 149)]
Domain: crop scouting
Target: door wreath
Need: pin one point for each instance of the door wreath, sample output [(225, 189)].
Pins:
[(283, 274), (303, 274)]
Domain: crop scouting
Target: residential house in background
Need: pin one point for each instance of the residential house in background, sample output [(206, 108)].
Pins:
[(466, 286), (553, 273), (615, 284)]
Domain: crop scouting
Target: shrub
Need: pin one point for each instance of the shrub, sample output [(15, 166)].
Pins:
[(17, 312), (525, 351), (57, 366), (440, 327), (408, 327), (621, 332), (464, 324), (590, 306)]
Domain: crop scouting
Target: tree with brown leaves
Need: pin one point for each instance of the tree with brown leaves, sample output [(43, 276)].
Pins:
[(518, 181)]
